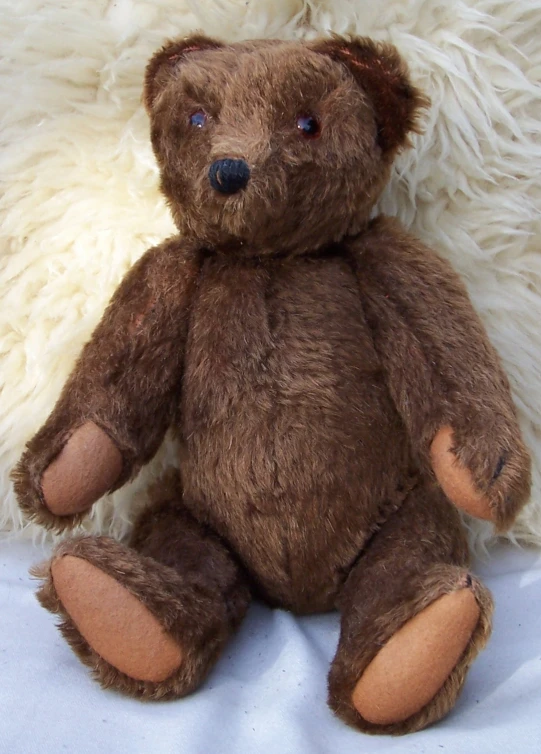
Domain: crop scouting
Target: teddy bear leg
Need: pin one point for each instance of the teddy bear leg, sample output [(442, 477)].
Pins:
[(150, 619), (413, 620)]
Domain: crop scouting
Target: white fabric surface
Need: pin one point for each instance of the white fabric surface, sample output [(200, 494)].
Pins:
[(268, 692)]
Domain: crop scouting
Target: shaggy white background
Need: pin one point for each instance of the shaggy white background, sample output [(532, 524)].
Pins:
[(80, 202)]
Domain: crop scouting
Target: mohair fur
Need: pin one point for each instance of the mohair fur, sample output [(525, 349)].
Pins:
[(303, 354)]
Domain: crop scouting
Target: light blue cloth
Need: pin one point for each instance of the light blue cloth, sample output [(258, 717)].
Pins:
[(267, 694)]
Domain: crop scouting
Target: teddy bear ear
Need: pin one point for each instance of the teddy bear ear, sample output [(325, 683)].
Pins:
[(166, 61), (383, 75)]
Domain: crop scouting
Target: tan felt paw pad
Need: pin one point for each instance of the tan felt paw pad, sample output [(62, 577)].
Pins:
[(456, 480), (411, 668), (114, 622), (88, 466)]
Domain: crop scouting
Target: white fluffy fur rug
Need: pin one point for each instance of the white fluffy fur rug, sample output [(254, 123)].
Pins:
[(80, 203)]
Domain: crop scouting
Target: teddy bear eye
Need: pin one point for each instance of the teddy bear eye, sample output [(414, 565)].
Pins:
[(198, 118), (309, 126)]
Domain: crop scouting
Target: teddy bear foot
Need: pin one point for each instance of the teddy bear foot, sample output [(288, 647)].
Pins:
[(413, 620), (139, 625), (419, 653), (104, 610), (418, 660)]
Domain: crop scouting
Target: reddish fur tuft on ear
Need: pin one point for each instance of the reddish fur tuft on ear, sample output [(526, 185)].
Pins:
[(383, 75), (164, 63)]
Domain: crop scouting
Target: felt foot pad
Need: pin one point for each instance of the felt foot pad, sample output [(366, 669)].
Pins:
[(456, 480), (114, 622), (415, 663)]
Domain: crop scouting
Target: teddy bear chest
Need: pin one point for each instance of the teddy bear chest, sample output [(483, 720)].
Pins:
[(280, 365), (276, 332)]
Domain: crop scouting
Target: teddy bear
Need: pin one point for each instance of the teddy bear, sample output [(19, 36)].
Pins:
[(334, 397)]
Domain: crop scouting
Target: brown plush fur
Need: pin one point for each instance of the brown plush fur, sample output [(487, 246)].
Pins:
[(304, 356)]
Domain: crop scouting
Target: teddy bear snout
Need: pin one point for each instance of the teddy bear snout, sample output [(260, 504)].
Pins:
[(229, 176)]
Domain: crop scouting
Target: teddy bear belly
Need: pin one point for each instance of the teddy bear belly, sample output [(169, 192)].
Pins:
[(297, 524), (291, 447)]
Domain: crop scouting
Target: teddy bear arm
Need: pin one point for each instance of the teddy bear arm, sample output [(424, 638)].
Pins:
[(445, 377), (119, 399)]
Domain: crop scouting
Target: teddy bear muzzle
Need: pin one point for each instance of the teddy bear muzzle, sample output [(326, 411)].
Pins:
[(229, 176)]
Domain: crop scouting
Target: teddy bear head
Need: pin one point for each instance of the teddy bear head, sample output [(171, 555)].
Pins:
[(276, 147)]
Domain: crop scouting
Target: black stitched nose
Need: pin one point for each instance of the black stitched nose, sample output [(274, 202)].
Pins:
[(229, 176)]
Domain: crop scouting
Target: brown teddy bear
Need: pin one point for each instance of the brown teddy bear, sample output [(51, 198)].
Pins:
[(333, 393)]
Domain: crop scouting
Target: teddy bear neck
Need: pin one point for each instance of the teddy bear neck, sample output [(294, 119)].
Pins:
[(289, 247)]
